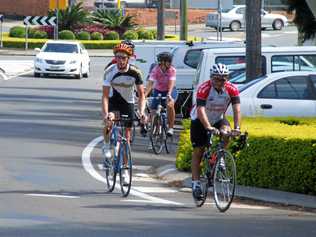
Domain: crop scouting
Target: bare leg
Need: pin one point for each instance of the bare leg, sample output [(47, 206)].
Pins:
[(196, 160), (171, 113)]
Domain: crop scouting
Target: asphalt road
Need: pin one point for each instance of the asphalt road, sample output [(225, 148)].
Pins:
[(51, 183)]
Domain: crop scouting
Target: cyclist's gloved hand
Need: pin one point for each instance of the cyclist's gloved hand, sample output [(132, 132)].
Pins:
[(236, 131), (212, 131)]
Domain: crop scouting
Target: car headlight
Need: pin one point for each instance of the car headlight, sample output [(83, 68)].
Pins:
[(39, 60), (73, 62)]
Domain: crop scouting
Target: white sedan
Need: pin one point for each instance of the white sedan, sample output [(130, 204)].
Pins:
[(234, 19), (62, 58), (280, 94)]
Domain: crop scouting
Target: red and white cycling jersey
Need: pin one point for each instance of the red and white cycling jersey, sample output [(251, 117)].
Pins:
[(216, 103)]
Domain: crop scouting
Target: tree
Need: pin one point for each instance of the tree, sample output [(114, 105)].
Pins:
[(113, 19), (303, 19), (72, 16)]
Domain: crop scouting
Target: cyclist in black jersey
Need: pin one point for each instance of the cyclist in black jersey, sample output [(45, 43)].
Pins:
[(119, 82)]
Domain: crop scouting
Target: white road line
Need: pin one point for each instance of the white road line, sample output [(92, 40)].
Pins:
[(166, 171), (86, 162), (142, 175), (139, 201), (50, 195), (155, 190)]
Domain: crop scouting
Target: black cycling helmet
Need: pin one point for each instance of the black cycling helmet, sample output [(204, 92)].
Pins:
[(164, 56)]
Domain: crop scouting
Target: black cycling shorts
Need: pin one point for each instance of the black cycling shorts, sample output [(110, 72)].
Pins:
[(198, 133), (123, 109)]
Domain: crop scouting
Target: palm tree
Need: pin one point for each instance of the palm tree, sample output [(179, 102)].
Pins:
[(72, 16), (114, 20), (304, 19)]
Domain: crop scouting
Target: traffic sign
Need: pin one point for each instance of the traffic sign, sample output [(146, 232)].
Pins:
[(58, 4), (40, 20)]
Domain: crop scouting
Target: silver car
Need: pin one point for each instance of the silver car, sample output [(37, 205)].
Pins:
[(234, 19)]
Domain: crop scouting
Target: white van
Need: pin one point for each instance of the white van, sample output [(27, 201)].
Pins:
[(186, 56), (274, 59)]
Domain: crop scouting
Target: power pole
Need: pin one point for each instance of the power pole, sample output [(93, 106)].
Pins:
[(183, 19), (253, 39), (161, 20)]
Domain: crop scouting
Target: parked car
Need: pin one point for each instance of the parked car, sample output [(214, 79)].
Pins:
[(62, 58), (280, 94), (274, 59), (234, 19)]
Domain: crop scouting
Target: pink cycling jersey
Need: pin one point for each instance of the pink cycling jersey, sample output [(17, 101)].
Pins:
[(161, 79), (216, 103)]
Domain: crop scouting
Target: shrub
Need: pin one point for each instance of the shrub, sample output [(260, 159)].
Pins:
[(30, 32), (67, 35), (17, 31), (40, 35), (96, 36), (154, 33), (145, 34), (91, 28), (130, 35), (112, 35), (48, 29), (281, 154), (83, 35)]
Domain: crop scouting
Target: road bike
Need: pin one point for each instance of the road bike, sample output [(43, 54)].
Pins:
[(158, 130), (219, 170), (121, 158)]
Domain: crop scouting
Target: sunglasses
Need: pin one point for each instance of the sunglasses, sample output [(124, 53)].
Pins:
[(220, 78), (122, 57)]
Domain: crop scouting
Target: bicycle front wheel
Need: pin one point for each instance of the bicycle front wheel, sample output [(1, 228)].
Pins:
[(125, 169), (156, 135), (224, 180), (110, 174)]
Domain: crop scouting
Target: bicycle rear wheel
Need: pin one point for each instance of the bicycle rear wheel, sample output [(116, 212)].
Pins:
[(156, 135), (125, 169), (224, 180)]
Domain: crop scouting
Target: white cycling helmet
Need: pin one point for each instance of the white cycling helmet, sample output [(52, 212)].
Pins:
[(219, 69)]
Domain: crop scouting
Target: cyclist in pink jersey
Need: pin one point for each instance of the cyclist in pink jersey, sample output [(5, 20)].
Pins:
[(208, 116), (162, 80)]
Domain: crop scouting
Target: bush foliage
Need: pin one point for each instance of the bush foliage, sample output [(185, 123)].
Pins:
[(17, 31), (112, 35), (83, 35), (130, 35), (66, 35), (281, 154)]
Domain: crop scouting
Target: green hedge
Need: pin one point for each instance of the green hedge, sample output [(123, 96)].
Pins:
[(281, 154), (83, 35), (66, 35)]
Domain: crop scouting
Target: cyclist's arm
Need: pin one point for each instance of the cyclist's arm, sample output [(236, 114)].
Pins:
[(149, 86), (141, 98), (237, 115), (105, 101), (202, 115), (171, 84), (172, 80)]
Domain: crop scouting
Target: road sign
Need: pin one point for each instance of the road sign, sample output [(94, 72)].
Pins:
[(60, 4), (1, 18), (40, 20)]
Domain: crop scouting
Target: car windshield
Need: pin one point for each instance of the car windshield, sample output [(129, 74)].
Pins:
[(251, 83), (61, 48)]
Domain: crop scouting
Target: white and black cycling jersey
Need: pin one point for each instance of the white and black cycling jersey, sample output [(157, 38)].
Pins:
[(122, 83)]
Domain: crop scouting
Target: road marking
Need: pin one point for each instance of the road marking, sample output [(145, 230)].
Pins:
[(139, 201), (166, 171), (50, 195), (86, 162), (155, 190), (142, 175), (245, 206)]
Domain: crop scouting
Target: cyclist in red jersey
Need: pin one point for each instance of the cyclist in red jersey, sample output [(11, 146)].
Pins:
[(208, 116)]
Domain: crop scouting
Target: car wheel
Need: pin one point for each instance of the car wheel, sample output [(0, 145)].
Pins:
[(36, 74), (277, 24), (79, 76), (235, 25), (86, 75)]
